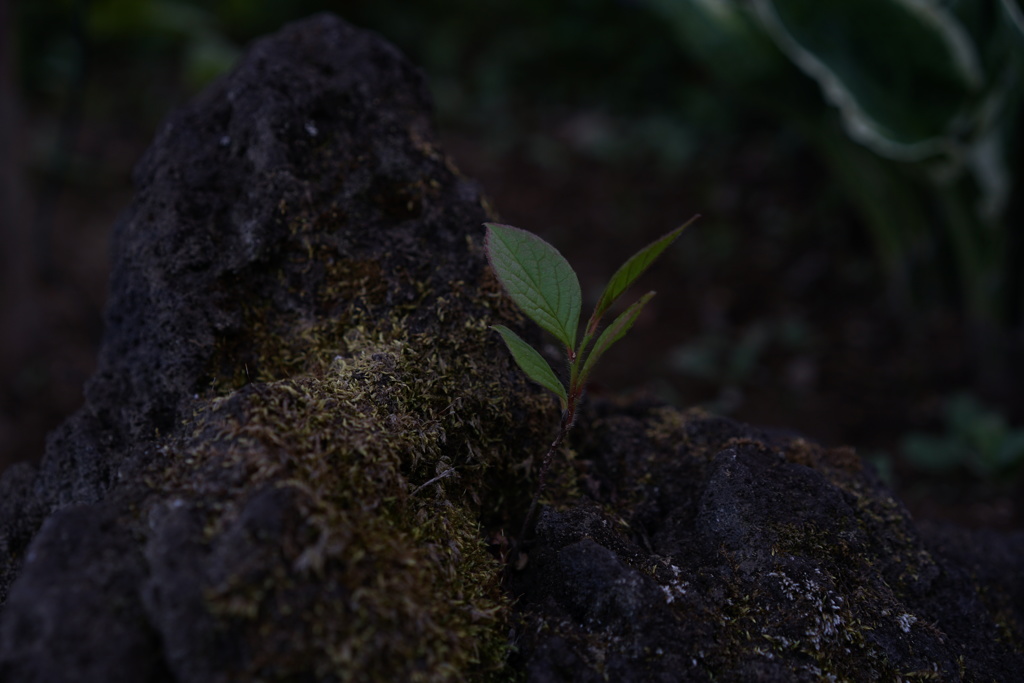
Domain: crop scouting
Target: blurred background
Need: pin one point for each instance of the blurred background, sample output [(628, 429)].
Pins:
[(856, 275)]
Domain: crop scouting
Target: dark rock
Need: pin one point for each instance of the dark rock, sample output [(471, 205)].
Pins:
[(91, 627), (297, 339), (713, 551), (302, 432)]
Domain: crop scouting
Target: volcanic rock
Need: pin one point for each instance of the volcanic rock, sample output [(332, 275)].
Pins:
[(303, 447)]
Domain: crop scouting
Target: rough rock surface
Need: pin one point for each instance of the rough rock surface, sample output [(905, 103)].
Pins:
[(713, 551), (302, 435), (297, 341)]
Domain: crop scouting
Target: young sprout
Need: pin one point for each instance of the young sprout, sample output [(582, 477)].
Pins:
[(543, 284)]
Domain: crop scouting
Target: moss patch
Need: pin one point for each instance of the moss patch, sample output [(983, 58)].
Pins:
[(392, 445)]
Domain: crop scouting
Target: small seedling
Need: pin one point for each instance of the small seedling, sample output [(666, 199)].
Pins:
[(543, 284)]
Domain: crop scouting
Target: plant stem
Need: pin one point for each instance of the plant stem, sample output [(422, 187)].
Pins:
[(568, 419)]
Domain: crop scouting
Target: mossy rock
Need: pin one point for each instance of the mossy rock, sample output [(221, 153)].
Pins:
[(303, 445), (301, 420), (709, 550)]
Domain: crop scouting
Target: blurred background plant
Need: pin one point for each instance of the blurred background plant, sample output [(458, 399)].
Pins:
[(977, 440), (857, 163), (916, 114)]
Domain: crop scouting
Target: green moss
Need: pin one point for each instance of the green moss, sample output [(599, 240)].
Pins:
[(335, 402)]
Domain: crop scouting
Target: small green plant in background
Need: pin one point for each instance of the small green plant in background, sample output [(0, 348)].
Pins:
[(543, 284), (976, 439), (915, 107)]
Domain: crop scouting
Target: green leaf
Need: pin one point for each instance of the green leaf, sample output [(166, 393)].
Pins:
[(903, 73), (538, 279), (531, 362), (631, 270), (613, 333)]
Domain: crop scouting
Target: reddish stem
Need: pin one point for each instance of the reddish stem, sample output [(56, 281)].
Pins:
[(568, 420)]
